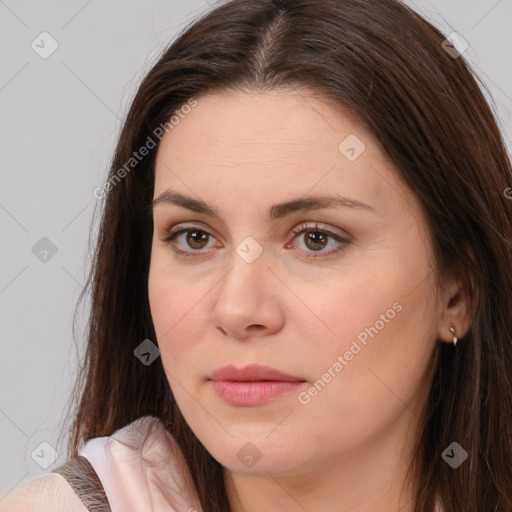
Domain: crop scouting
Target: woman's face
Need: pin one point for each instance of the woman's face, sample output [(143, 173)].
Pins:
[(303, 252)]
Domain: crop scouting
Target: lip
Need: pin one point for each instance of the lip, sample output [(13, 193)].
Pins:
[(252, 373), (252, 385)]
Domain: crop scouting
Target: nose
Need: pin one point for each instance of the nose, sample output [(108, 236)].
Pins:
[(249, 297)]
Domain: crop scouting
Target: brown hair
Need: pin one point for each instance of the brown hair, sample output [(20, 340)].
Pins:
[(385, 64)]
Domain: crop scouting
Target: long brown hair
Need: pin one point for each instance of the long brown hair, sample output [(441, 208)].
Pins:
[(384, 63)]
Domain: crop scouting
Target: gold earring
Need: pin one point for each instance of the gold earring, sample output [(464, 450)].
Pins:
[(452, 330)]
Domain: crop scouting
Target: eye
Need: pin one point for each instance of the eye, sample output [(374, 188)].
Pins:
[(316, 239), (195, 238)]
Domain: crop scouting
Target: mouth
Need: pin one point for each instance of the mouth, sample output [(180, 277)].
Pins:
[(252, 385)]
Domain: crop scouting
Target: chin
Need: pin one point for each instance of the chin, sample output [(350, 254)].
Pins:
[(258, 456)]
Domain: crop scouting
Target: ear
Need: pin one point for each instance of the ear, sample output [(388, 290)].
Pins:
[(454, 309)]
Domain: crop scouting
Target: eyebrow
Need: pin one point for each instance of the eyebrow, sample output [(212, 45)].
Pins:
[(276, 211)]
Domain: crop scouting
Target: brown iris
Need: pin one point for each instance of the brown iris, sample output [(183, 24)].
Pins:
[(317, 238), (196, 237)]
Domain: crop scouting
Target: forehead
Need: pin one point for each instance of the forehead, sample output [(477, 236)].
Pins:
[(281, 122), (275, 144)]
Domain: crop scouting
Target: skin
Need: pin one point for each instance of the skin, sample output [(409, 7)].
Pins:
[(349, 447)]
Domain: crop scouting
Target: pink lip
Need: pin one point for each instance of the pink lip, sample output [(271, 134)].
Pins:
[(252, 385)]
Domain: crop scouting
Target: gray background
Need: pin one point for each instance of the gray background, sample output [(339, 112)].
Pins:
[(60, 117)]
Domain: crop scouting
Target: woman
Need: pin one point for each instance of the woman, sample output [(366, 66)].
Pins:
[(308, 214)]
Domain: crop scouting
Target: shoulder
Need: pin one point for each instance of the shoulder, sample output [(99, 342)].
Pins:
[(142, 465), (50, 493)]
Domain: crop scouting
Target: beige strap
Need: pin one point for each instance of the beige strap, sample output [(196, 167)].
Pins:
[(82, 478)]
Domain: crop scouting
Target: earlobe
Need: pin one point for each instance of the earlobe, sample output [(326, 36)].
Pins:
[(455, 320)]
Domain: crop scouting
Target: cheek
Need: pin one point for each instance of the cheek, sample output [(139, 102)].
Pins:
[(177, 307), (362, 303), (385, 335), (381, 318)]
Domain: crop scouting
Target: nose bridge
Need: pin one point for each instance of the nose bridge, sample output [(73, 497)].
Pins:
[(250, 250), (248, 265), (243, 297)]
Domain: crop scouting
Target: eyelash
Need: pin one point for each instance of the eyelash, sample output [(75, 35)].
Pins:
[(169, 235)]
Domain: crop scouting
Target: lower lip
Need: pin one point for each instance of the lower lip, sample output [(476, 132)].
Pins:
[(252, 393)]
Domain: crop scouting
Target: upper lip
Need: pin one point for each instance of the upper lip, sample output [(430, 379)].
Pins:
[(252, 373)]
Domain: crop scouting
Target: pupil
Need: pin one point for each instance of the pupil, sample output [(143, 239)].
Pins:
[(316, 238), (192, 236)]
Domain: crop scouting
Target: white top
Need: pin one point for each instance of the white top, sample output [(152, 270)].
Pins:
[(141, 468), (135, 473)]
